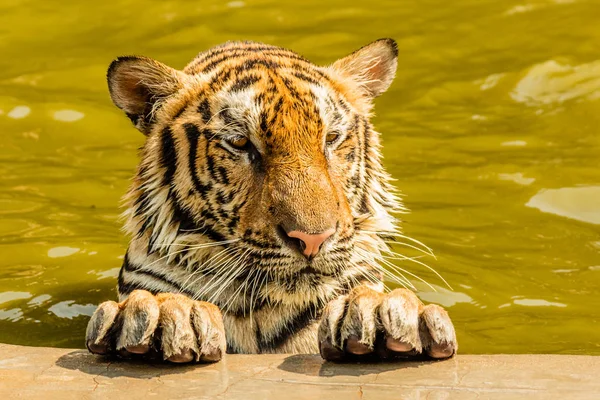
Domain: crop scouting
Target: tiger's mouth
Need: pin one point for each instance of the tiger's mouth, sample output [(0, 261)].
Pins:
[(276, 253), (287, 265), (311, 271)]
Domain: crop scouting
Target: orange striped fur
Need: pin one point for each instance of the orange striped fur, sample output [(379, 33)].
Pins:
[(250, 141)]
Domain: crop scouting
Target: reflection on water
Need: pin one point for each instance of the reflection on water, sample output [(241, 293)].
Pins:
[(69, 310), (444, 297), (517, 177), (19, 112), (111, 273), (68, 115), (552, 82), (62, 251), (537, 303), (580, 203), (9, 296), (490, 129), (12, 315), (37, 301), (532, 303)]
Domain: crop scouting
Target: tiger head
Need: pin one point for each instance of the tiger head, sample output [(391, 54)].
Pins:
[(255, 149)]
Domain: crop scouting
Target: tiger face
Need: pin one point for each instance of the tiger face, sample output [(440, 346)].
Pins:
[(268, 157), (260, 190)]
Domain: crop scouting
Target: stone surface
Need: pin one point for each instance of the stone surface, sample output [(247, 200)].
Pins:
[(48, 373)]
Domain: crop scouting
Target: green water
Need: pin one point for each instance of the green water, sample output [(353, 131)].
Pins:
[(491, 130)]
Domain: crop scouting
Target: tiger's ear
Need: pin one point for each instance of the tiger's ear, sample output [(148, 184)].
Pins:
[(138, 84), (373, 66)]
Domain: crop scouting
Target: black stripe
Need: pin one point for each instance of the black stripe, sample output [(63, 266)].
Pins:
[(365, 132), (211, 234), (252, 63), (145, 226), (193, 135), (216, 57), (204, 110), (127, 266), (205, 214), (224, 198), (152, 241), (218, 173), (244, 310), (221, 77), (306, 78), (309, 71), (142, 203), (350, 156), (366, 162), (275, 113), (181, 110), (262, 245), (309, 315), (291, 88), (124, 288), (244, 83), (168, 155), (259, 337), (184, 218), (264, 126), (354, 124), (234, 222), (338, 328), (224, 176), (355, 180), (344, 105), (229, 48)]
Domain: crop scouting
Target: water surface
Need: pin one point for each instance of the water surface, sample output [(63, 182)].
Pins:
[(490, 129)]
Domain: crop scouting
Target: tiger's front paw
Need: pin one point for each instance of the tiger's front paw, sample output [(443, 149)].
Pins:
[(169, 325), (377, 325)]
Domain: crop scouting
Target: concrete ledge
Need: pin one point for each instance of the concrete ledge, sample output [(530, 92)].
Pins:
[(48, 373)]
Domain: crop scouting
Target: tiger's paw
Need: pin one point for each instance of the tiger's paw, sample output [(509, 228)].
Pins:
[(368, 325), (170, 326)]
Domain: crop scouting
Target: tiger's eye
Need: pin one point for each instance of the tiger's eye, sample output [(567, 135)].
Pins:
[(239, 143), (331, 137)]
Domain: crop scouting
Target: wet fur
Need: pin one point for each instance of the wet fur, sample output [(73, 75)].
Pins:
[(204, 218)]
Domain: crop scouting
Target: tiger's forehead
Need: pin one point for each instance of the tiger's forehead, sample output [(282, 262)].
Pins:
[(268, 93), (275, 108)]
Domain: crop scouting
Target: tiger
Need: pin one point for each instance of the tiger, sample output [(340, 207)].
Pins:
[(260, 212)]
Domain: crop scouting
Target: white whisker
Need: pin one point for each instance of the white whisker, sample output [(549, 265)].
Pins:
[(389, 233), (413, 259), (391, 242), (397, 269)]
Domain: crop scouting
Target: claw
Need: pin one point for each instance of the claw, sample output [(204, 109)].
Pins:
[(397, 345), (94, 348), (441, 351), (185, 356), (329, 352), (213, 356), (140, 349), (355, 347)]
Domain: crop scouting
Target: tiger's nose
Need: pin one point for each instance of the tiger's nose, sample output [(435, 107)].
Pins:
[(310, 244)]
